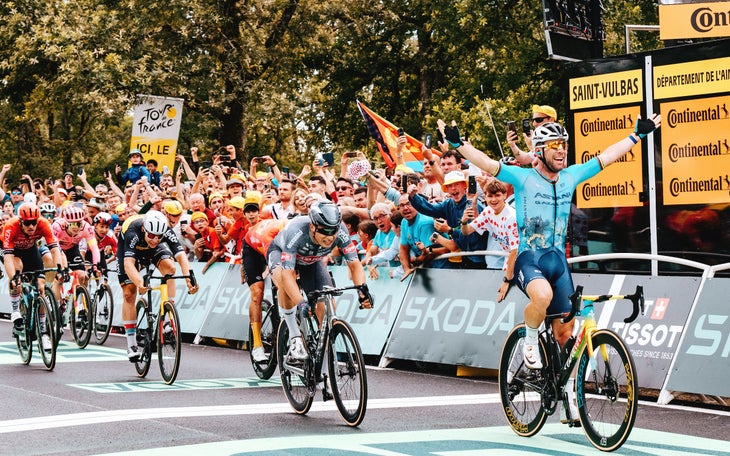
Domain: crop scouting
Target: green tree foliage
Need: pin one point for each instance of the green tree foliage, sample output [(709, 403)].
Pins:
[(277, 77)]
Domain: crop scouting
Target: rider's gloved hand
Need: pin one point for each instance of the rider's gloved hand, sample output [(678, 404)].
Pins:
[(453, 136), (15, 281), (365, 298), (509, 161), (644, 127), (65, 275), (96, 270)]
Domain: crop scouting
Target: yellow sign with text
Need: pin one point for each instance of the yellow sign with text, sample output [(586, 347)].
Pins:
[(623, 87), (700, 77), (618, 185), (696, 151), (694, 20)]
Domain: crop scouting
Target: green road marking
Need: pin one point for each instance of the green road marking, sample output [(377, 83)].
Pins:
[(179, 385), (554, 439), (68, 352)]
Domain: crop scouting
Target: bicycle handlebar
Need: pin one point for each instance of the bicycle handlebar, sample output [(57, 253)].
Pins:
[(313, 295), (149, 276), (27, 276), (637, 299)]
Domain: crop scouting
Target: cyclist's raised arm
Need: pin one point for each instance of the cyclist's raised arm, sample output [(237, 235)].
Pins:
[(619, 149), (471, 153)]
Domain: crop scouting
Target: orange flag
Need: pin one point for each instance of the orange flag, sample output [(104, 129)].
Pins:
[(386, 137)]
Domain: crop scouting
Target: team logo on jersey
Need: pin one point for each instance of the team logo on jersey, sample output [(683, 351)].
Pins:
[(350, 248)]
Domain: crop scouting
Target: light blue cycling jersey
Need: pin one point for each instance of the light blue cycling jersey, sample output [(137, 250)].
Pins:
[(542, 207)]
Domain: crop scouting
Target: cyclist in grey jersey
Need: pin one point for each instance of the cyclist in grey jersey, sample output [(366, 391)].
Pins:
[(301, 247), (543, 200)]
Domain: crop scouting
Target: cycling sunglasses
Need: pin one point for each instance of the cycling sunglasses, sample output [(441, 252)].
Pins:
[(153, 236), (556, 144), (74, 224), (30, 222), (326, 231)]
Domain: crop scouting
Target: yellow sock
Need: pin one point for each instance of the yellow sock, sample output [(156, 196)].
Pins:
[(256, 329)]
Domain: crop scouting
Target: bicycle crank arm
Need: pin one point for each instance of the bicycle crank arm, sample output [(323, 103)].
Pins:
[(294, 369)]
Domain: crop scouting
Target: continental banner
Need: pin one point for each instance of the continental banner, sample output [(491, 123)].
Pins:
[(623, 87), (696, 151), (156, 128), (618, 185), (694, 20), (697, 78), (702, 359)]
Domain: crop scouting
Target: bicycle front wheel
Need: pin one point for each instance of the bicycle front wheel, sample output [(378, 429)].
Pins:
[(607, 391), (144, 339), (24, 334), (347, 373), (520, 388), (55, 313), (269, 326), (103, 313), (293, 378), (168, 344), (81, 317), (45, 328)]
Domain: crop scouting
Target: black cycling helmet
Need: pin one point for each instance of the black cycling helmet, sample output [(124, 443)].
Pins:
[(325, 216)]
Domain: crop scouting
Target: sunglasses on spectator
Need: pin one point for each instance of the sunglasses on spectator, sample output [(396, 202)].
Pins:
[(557, 144), (539, 119), (325, 231), (342, 188), (30, 222), (15, 192)]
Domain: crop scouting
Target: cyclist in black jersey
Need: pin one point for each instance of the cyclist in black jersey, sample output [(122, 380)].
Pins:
[(300, 248), (146, 240)]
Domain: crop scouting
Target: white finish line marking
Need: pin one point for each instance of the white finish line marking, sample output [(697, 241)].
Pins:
[(111, 416)]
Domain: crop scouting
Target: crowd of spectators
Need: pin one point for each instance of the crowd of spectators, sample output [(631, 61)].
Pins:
[(393, 215)]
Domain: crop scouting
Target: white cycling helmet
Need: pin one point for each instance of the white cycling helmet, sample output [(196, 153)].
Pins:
[(549, 132), (155, 222), (47, 208)]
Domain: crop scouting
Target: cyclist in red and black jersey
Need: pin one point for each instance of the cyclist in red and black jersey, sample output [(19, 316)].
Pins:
[(21, 254)]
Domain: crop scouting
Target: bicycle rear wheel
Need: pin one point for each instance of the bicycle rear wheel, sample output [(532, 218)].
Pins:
[(103, 305), (144, 339), (24, 335), (269, 326), (347, 373), (47, 355), (520, 388), (607, 391), (297, 391), (168, 344), (81, 317)]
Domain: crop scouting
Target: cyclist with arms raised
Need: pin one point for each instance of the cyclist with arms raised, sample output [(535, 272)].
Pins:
[(543, 195), (21, 253), (300, 248), (146, 240)]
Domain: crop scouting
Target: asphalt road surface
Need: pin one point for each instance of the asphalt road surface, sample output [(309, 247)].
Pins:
[(94, 403)]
